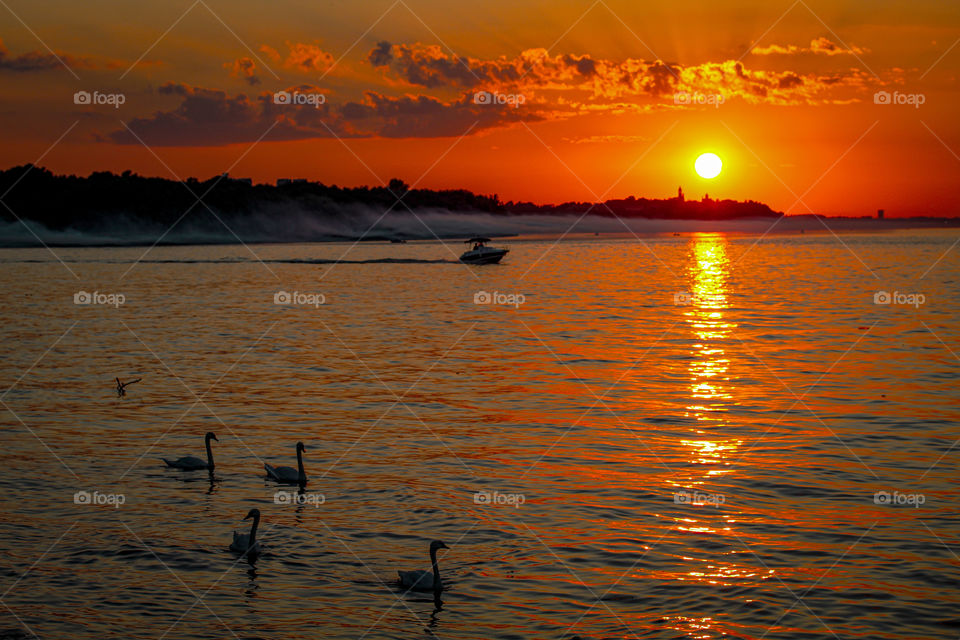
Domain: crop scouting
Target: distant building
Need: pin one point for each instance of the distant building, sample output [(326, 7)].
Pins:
[(226, 176), (285, 181), (680, 194), (879, 214)]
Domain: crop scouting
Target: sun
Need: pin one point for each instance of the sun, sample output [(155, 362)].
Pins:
[(708, 165)]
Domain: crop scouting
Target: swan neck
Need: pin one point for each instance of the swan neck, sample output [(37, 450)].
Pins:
[(209, 454), (436, 569), (253, 529), (301, 473)]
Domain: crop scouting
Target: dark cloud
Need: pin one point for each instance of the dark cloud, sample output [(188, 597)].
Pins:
[(432, 67), (33, 61), (381, 55), (585, 65), (43, 61), (789, 81), (428, 117), (212, 117)]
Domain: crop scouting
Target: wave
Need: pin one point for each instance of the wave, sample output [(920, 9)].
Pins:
[(239, 261)]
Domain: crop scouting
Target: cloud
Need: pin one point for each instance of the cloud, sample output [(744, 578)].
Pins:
[(302, 57), (431, 66), (43, 61), (381, 55), (606, 139), (603, 84), (819, 46), (212, 117), (428, 117), (439, 95), (207, 117), (244, 68)]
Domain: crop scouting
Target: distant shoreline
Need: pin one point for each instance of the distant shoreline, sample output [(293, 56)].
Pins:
[(106, 209)]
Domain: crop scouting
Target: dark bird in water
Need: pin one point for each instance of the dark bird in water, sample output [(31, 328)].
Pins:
[(122, 386), (246, 543), (192, 463), (424, 580), (289, 475)]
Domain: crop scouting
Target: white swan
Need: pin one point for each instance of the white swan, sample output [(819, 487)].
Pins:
[(424, 580), (193, 463), (247, 542), (289, 475)]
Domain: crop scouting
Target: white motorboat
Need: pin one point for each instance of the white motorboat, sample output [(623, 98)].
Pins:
[(481, 253)]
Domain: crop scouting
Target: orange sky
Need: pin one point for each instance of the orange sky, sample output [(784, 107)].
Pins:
[(599, 99)]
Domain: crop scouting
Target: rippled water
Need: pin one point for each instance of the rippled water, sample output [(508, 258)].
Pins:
[(662, 470)]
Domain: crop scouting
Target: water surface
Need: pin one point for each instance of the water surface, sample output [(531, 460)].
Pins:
[(685, 436)]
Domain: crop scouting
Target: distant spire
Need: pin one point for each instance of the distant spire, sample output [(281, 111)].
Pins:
[(680, 194)]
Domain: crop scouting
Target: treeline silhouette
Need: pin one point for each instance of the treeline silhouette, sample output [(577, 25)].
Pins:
[(76, 202)]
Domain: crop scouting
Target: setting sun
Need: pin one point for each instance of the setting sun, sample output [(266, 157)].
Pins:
[(708, 165)]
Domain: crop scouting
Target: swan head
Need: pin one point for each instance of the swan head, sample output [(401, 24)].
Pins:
[(254, 513), (211, 436), (300, 447), (437, 544)]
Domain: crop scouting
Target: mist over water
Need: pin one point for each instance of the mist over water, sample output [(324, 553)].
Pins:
[(706, 436), (360, 222)]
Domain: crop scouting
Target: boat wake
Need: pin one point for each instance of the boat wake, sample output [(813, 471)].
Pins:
[(239, 261)]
